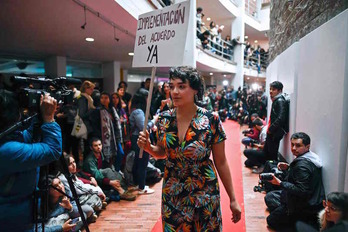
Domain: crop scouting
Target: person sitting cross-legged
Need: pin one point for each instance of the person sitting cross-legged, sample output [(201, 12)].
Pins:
[(104, 172)]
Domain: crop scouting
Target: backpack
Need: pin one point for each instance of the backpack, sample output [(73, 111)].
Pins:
[(287, 101)]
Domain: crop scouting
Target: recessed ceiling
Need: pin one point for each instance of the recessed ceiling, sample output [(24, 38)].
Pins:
[(41, 28)]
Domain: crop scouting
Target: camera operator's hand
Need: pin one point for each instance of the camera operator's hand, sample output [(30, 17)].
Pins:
[(282, 166), (275, 180), (48, 107), (67, 226)]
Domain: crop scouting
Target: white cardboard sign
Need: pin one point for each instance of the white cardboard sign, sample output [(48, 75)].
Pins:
[(161, 37)]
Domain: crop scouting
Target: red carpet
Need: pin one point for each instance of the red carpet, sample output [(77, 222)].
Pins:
[(233, 155)]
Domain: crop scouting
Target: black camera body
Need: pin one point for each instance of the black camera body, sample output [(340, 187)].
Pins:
[(29, 98), (266, 176)]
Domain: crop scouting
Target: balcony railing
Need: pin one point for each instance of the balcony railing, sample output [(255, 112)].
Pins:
[(257, 61), (221, 48)]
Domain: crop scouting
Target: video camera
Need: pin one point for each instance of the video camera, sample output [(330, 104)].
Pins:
[(29, 98)]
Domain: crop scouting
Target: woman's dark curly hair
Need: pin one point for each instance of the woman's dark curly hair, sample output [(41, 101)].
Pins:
[(190, 74)]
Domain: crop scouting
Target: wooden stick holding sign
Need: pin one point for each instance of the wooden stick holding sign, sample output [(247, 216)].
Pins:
[(148, 104)]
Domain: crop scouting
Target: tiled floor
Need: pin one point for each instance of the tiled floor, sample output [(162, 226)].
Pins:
[(255, 208), (142, 214)]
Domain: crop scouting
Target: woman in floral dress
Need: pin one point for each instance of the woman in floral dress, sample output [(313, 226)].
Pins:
[(186, 135)]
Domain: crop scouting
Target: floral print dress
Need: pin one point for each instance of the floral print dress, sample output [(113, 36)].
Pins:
[(190, 193)]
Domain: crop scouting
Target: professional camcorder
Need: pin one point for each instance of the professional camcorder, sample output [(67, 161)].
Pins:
[(29, 97)]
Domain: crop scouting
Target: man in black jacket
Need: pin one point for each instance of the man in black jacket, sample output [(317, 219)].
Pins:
[(302, 192), (278, 120)]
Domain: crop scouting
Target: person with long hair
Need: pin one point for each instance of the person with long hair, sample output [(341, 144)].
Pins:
[(163, 102), (334, 216), (117, 104), (186, 135), (137, 121), (107, 126)]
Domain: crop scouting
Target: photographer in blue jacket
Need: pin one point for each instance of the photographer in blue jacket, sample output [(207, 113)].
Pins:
[(20, 161)]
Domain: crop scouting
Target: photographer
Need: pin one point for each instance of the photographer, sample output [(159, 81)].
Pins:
[(256, 156), (20, 160), (253, 133), (302, 192)]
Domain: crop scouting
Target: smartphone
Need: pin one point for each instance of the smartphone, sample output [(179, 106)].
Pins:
[(75, 220)]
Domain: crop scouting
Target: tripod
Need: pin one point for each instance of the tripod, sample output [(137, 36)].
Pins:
[(41, 195)]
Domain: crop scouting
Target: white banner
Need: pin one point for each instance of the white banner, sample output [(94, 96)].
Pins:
[(161, 37)]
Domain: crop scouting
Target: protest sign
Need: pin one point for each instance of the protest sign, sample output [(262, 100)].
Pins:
[(161, 37)]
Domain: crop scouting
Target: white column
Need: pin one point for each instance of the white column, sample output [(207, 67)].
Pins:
[(125, 75), (238, 28), (111, 76), (258, 8), (55, 66)]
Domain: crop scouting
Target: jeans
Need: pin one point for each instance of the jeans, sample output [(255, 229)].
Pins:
[(255, 157), (139, 167)]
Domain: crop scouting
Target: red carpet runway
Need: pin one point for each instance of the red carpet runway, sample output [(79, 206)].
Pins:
[(233, 155)]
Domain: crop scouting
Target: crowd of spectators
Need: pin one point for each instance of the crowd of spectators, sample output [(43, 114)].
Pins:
[(211, 39), (295, 192)]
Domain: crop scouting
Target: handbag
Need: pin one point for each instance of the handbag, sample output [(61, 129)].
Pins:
[(79, 129)]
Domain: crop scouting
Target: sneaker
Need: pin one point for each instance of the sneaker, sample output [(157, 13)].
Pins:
[(93, 218), (127, 196), (146, 190)]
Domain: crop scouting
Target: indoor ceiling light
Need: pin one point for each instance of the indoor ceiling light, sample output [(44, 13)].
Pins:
[(131, 53), (208, 19), (225, 83), (248, 78), (224, 75), (210, 74), (89, 39), (246, 37), (256, 41)]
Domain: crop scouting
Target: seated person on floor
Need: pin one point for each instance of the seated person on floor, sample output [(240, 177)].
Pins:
[(90, 194), (104, 172), (252, 134), (256, 156), (60, 208), (334, 218), (302, 192)]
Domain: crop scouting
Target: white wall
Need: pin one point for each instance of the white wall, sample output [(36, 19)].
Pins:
[(135, 7), (315, 72)]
